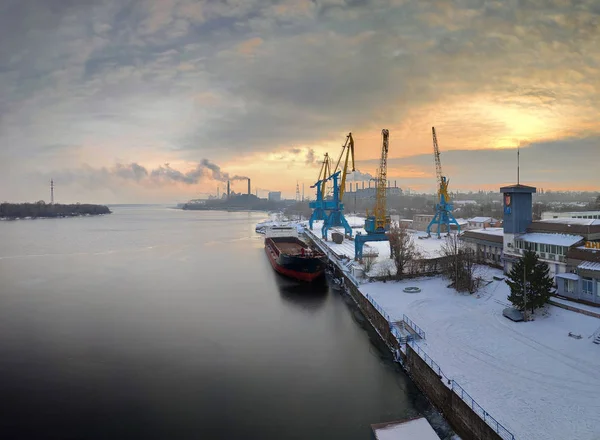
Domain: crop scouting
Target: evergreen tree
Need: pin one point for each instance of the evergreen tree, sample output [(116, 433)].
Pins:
[(531, 276)]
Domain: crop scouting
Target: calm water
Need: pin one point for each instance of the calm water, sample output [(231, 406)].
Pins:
[(159, 323)]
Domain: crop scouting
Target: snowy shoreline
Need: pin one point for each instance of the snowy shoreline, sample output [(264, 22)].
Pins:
[(532, 377)]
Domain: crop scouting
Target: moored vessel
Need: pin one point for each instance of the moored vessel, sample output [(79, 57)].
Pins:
[(292, 257)]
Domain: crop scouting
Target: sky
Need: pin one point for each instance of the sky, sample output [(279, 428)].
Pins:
[(141, 101)]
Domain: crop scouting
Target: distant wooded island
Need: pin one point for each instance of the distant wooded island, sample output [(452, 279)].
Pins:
[(45, 210)]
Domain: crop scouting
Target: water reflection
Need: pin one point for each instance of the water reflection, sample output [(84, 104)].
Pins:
[(306, 296)]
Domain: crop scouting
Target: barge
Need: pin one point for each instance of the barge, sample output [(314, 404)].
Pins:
[(292, 257)]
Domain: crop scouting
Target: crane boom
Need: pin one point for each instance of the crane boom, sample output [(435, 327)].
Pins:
[(436, 153), (441, 179), (348, 149), (324, 174), (380, 206)]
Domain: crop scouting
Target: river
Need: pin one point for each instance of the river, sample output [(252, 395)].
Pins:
[(160, 323)]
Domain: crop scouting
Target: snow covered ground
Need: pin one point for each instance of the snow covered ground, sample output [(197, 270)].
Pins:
[(531, 376), (428, 247)]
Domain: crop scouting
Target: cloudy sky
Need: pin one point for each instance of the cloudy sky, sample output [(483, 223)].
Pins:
[(163, 100)]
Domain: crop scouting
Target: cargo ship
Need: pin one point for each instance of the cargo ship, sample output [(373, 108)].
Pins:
[(292, 257)]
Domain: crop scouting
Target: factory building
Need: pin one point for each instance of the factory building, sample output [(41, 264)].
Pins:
[(359, 191), (589, 215), (274, 196), (570, 246), (421, 221)]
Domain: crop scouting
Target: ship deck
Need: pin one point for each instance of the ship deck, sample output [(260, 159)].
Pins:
[(289, 248)]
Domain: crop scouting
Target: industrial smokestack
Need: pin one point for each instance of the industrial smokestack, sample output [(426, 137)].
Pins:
[(228, 189), (249, 192), (363, 184), (395, 184)]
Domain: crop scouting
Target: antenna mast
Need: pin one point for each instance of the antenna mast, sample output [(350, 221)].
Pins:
[(518, 164)]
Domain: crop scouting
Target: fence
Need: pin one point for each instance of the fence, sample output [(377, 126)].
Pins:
[(465, 397), (435, 367), (379, 308), (414, 326)]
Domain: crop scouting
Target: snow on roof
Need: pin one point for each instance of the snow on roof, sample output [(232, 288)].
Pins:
[(557, 239), (589, 265), (489, 231), (568, 276), (572, 221), (412, 430), (480, 219)]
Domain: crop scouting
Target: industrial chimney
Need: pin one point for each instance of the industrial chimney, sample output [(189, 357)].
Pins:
[(228, 189), (363, 184), (249, 186)]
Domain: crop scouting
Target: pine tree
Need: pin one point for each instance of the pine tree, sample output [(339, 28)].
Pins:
[(532, 275)]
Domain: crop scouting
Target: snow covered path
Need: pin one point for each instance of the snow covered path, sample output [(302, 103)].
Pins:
[(532, 377)]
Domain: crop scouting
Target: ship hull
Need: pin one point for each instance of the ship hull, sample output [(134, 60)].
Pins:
[(286, 258)]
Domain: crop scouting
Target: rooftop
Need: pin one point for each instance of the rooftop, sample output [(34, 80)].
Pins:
[(572, 221), (556, 239), (415, 429), (589, 265), (481, 219), (490, 234), (518, 189)]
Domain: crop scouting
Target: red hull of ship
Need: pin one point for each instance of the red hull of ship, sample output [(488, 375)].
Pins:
[(302, 276)]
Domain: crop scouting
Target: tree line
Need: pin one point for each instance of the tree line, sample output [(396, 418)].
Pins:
[(44, 210)]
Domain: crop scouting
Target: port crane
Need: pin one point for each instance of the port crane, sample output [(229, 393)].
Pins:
[(378, 222), (318, 205), (443, 209), (335, 206)]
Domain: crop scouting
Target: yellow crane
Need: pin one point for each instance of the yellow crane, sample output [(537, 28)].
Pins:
[(378, 223), (382, 221), (348, 150)]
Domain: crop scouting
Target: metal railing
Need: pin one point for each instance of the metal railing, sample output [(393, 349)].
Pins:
[(465, 397), (414, 326), (379, 308)]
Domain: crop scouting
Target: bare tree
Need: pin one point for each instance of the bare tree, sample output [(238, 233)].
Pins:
[(460, 264), (368, 262), (403, 248)]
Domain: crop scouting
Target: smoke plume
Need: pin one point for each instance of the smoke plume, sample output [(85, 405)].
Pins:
[(359, 176), (164, 174)]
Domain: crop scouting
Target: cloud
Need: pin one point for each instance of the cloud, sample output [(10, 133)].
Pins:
[(492, 168), (310, 157), (186, 79)]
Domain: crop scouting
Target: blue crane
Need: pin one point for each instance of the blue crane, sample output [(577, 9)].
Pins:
[(443, 209), (335, 206), (318, 205)]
